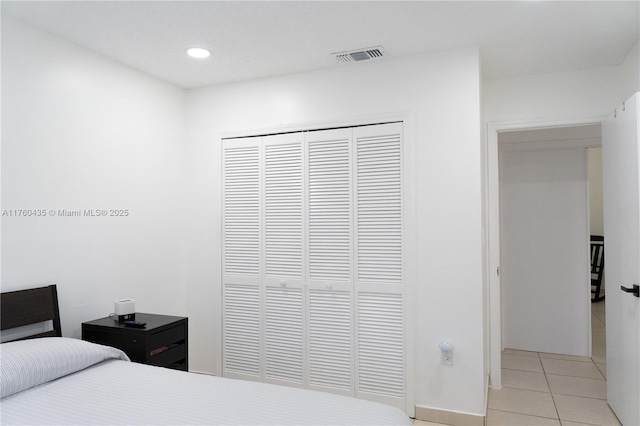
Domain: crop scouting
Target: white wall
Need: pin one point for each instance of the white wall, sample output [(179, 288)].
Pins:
[(441, 92), (81, 132), (566, 95), (594, 167), (630, 74), (544, 233)]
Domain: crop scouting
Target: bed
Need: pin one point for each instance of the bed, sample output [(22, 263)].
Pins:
[(57, 380)]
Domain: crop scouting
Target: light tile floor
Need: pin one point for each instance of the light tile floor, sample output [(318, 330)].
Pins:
[(551, 389), (541, 389)]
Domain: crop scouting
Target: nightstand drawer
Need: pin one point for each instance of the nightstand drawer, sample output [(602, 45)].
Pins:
[(168, 357), (167, 337)]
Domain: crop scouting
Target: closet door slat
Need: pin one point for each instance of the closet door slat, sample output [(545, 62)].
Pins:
[(283, 325), (241, 255), (241, 207), (241, 331), (283, 204), (283, 320), (379, 284), (379, 203), (330, 335), (329, 200), (380, 347)]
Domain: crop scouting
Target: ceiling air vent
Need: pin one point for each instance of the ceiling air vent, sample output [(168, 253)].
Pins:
[(360, 54)]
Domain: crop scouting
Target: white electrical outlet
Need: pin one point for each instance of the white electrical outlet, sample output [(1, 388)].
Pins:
[(446, 353)]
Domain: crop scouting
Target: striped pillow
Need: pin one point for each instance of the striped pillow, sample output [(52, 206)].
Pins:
[(28, 363)]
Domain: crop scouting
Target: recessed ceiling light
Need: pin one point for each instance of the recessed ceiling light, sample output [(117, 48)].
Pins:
[(198, 52)]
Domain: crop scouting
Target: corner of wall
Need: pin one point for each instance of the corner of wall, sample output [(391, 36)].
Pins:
[(630, 74)]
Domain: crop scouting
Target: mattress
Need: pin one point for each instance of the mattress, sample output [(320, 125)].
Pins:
[(114, 391)]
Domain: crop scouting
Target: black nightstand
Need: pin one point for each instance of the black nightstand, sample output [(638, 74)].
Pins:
[(163, 342)]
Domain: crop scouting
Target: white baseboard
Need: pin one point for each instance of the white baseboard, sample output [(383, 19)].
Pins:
[(448, 417)]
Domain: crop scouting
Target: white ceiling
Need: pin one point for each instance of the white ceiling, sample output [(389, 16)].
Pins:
[(265, 38)]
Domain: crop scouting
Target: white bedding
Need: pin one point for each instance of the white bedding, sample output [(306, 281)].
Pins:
[(120, 392)]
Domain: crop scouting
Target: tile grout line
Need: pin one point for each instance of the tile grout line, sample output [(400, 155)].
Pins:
[(528, 415), (580, 377), (555, 406), (598, 368)]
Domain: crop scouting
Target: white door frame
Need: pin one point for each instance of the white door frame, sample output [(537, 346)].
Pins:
[(492, 224)]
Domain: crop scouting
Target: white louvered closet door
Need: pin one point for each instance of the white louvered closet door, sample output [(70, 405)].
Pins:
[(284, 360), (379, 283), (329, 274), (313, 285), (241, 258)]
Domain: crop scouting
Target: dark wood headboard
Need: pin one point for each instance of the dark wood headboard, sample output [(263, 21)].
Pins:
[(32, 306)]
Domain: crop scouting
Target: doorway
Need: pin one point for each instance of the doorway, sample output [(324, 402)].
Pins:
[(596, 227), (566, 139)]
